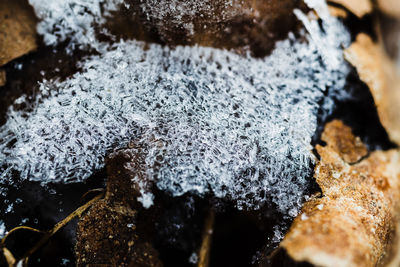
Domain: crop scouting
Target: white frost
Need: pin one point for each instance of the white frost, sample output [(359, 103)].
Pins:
[(72, 19), (193, 259), (214, 121), (146, 199), (2, 230)]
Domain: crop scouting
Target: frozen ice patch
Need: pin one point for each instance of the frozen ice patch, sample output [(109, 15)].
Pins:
[(72, 19), (2, 230), (214, 121)]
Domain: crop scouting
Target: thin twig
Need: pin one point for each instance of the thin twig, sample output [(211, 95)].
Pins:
[(204, 253), (58, 226), (3, 240)]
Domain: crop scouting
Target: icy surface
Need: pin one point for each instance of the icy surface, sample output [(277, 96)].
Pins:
[(215, 122), (2, 230), (73, 19)]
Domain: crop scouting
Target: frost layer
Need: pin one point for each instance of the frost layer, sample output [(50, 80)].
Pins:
[(2, 230), (72, 19), (214, 122)]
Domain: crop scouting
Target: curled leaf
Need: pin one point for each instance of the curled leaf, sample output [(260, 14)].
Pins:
[(380, 74), (358, 7)]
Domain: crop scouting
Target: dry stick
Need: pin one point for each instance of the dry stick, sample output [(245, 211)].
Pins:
[(3, 240), (101, 190), (204, 253), (58, 226), (7, 254)]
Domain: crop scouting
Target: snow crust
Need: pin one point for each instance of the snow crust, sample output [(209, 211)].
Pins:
[(214, 121)]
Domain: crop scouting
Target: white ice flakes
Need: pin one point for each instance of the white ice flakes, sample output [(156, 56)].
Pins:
[(215, 122), (72, 19), (2, 230)]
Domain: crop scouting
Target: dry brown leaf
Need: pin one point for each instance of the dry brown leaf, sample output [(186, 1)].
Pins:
[(380, 74), (17, 29), (394, 256), (358, 7), (2, 77), (340, 138), (390, 7), (352, 223), (337, 12), (108, 234)]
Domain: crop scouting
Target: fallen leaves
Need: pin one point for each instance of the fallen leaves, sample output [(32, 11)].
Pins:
[(380, 74), (351, 224), (17, 30), (358, 7), (349, 147), (108, 233), (390, 7)]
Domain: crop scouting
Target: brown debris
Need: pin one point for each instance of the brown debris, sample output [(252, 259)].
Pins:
[(358, 7), (390, 7), (340, 138), (17, 29), (353, 222), (107, 235), (380, 74), (2, 77), (337, 12)]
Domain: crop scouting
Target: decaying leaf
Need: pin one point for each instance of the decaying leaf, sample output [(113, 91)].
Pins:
[(380, 74), (352, 223), (358, 7), (337, 12), (107, 234), (17, 29), (390, 7), (394, 257), (349, 147)]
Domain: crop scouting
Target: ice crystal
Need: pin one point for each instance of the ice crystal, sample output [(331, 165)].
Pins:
[(72, 19), (176, 13), (193, 259), (2, 230), (214, 121)]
